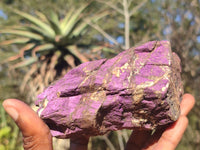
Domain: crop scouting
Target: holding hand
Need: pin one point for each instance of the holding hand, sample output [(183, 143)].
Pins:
[(166, 139), (36, 134)]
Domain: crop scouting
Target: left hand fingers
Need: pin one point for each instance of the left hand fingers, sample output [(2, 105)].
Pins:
[(35, 132), (174, 132), (172, 136), (187, 103)]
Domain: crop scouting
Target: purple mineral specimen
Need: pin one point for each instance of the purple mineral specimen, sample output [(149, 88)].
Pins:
[(140, 88)]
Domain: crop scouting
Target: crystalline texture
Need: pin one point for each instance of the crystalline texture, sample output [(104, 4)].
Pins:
[(140, 88)]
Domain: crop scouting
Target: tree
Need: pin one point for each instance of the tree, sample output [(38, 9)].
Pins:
[(50, 45), (181, 26)]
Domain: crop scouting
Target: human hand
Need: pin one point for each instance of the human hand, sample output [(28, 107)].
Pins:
[(164, 139), (37, 136)]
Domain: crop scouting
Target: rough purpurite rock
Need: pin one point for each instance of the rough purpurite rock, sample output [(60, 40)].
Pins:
[(140, 88)]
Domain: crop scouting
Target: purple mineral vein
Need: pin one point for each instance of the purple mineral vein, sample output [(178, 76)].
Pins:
[(140, 88)]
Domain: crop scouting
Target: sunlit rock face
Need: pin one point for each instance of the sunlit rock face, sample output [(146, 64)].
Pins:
[(140, 88)]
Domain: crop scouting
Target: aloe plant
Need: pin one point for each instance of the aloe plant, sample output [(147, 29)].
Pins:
[(48, 44)]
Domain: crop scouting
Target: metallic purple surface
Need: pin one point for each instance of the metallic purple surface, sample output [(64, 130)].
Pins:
[(140, 88)]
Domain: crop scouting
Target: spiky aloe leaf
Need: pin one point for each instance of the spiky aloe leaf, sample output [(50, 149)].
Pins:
[(100, 15), (5, 56), (39, 31), (53, 20), (23, 34), (25, 48), (37, 22), (44, 47), (73, 50), (26, 62), (65, 20), (20, 53), (74, 18), (13, 27), (81, 28), (41, 16), (15, 41)]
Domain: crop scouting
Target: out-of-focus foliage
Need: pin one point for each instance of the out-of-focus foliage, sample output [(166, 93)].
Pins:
[(128, 23), (49, 44), (182, 27), (58, 6), (9, 132)]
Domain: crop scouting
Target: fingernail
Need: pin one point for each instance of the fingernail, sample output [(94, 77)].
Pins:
[(12, 112)]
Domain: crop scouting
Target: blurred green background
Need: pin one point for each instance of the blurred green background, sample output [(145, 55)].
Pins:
[(42, 40)]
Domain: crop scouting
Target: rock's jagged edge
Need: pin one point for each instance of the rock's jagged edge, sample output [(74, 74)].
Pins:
[(140, 88)]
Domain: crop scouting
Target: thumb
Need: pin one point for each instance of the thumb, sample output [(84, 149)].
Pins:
[(36, 134)]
